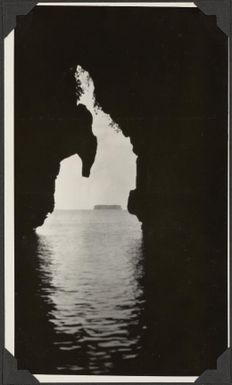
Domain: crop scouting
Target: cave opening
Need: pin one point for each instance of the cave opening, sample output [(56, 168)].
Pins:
[(113, 174)]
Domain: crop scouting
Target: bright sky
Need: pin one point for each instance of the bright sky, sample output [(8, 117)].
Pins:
[(113, 173)]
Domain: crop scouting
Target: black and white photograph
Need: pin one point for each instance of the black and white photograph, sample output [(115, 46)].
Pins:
[(120, 195)]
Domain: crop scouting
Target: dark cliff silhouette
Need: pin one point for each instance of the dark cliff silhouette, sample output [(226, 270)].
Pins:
[(38, 166), (162, 76)]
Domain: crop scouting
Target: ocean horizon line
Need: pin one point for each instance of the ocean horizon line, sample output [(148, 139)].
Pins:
[(90, 209)]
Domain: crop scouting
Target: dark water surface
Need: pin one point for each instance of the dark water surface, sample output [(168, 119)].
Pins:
[(94, 296), (90, 269), (93, 262)]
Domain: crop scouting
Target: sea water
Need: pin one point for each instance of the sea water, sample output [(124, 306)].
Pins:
[(91, 269)]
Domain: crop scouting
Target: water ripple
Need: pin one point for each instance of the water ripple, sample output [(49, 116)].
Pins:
[(92, 269)]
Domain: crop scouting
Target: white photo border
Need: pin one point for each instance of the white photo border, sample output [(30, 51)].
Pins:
[(9, 211)]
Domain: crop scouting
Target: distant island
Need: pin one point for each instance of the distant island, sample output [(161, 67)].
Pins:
[(107, 207)]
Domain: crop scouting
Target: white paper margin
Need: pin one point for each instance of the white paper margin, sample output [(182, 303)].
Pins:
[(9, 210)]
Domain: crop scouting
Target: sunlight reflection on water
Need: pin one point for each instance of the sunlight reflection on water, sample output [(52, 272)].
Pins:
[(92, 269)]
